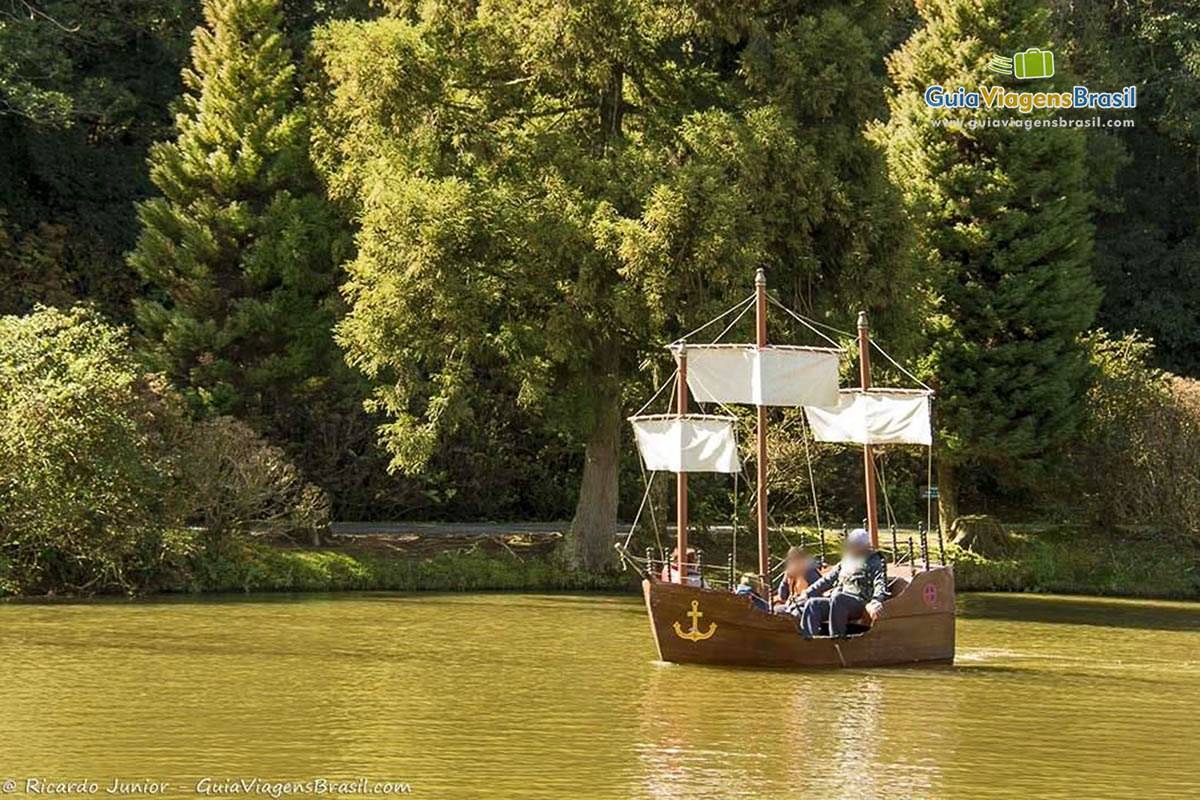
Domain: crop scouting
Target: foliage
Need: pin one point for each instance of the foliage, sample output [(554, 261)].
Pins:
[(234, 481), (87, 456), (1136, 462), (1002, 216), (1084, 560), (241, 249), (1148, 220), (84, 88), (101, 466), (548, 193)]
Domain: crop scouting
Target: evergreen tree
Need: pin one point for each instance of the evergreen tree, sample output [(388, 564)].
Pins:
[(1148, 220), (1002, 220), (240, 249), (549, 192)]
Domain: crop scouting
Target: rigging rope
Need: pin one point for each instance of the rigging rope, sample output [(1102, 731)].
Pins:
[(805, 322), (721, 316), (637, 517), (657, 392), (812, 481), (896, 364)]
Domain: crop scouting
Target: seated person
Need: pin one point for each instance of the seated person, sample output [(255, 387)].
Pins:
[(799, 572), (670, 572), (859, 584), (749, 587)]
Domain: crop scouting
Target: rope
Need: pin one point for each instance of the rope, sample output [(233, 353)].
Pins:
[(637, 517), (812, 481), (896, 364), (658, 391), (929, 490), (736, 320), (887, 504), (805, 322), (724, 314), (735, 520)]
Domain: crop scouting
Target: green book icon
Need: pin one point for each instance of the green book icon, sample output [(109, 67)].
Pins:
[(1033, 63)]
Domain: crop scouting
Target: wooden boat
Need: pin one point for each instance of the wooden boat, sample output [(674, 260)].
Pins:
[(701, 625), (693, 625)]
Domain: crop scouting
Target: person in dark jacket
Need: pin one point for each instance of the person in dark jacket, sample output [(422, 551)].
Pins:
[(859, 584), (800, 572)]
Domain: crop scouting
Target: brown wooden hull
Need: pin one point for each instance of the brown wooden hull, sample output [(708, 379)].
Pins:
[(915, 626)]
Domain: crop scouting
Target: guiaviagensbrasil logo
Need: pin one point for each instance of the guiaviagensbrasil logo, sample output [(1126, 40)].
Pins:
[(1026, 65), (1033, 63)]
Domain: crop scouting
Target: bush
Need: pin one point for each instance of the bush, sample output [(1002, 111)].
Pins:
[(1137, 462), (88, 457), (102, 469), (235, 480)]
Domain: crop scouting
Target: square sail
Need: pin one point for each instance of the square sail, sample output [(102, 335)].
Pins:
[(688, 443), (767, 376), (874, 416)]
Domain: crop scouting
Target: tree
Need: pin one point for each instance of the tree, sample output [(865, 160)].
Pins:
[(1002, 219), (84, 89), (547, 193), (241, 250), (1148, 218)]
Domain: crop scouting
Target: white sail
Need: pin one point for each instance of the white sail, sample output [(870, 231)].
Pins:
[(874, 416), (688, 443), (768, 376)]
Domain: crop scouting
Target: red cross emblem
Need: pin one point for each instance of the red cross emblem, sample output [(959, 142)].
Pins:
[(929, 595)]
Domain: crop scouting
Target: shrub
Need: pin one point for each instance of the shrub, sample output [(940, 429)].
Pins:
[(87, 456), (235, 480), (1137, 462)]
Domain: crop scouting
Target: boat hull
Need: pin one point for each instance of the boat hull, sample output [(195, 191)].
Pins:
[(915, 626)]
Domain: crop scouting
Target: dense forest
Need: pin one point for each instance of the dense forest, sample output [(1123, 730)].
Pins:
[(292, 260)]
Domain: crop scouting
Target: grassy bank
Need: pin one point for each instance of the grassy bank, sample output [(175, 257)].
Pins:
[(1059, 559), (265, 568), (1071, 560)]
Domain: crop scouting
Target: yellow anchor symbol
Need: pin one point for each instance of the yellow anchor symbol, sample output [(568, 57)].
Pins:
[(694, 634)]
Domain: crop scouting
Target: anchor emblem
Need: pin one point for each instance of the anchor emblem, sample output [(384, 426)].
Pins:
[(694, 634)]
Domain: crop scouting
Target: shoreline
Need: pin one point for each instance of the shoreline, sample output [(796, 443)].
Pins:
[(1040, 560)]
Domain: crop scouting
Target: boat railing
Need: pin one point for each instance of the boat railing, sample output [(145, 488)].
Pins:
[(910, 551)]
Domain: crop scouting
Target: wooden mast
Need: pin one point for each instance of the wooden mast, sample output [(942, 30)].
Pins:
[(764, 552), (864, 371), (681, 478)]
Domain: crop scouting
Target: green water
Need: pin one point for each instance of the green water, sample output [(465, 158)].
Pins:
[(531, 696)]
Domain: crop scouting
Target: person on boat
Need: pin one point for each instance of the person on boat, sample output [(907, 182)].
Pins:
[(800, 571), (750, 586), (670, 571), (859, 584)]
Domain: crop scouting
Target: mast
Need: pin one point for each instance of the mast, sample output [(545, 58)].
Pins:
[(681, 478), (864, 370), (764, 553)]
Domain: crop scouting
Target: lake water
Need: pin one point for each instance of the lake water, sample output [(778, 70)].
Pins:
[(560, 696)]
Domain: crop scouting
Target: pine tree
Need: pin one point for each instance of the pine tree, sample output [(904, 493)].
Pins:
[(1002, 218), (240, 249), (549, 192)]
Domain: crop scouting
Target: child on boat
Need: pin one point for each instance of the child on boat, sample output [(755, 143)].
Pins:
[(799, 572), (750, 586)]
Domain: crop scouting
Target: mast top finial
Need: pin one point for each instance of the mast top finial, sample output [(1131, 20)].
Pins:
[(862, 321), (760, 278)]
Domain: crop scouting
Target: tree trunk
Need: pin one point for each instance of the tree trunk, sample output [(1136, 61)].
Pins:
[(947, 496), (590, 538)]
